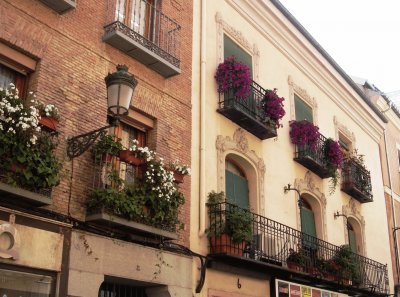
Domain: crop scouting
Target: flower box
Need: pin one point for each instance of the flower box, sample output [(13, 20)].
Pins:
[(178, 177), (128, 156), (295, 266), (49, 123), (222, 244)]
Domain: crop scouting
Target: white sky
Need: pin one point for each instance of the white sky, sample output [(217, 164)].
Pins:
[(362, 36)]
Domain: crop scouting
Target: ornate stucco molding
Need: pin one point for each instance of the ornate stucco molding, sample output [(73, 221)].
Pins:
[(239, 145), (342, 128), (302, 93), (307, 186), (239, 38), (352, 210)]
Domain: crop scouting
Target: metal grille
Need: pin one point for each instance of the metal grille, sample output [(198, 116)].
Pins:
[(273, 243), (117, 290), (356, 177)]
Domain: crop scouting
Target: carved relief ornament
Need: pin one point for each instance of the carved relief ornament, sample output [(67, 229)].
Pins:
[(352, 210), (340, 127)]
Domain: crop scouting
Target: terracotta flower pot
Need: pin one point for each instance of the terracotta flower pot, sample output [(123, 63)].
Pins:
[(178, 177), (49, 123), (128, 156), (223, 244), (295, 266)]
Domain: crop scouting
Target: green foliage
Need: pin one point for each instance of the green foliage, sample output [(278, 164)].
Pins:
[(234, 221), (348, 263), (106, 145), (298, 257)]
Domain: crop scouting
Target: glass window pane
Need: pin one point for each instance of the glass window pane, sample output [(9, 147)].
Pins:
[(232, 49), (303, 110), (23, 284), (7, 76)]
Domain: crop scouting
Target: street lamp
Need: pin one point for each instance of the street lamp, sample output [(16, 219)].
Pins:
[(120, 87)]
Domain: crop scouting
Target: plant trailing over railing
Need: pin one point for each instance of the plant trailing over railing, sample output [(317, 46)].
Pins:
[(334, 158), (27, 155), (304, 133), (232, 73), (272, 106), (107, 145), (153, 199)]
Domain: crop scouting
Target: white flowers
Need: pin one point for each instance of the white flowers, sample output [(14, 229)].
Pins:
[(183, 169), (18, 117)]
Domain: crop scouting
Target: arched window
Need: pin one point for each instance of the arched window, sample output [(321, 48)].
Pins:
[(236, 185), (307, 219)]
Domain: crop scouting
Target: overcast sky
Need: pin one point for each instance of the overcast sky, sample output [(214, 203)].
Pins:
[(362, 36)]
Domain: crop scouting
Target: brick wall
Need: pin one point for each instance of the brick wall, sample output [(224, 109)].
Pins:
[(72, 63)]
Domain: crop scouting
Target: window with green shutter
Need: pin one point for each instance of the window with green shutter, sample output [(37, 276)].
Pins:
[(232, 49), (236, 186), (303, 110), (352, 238)]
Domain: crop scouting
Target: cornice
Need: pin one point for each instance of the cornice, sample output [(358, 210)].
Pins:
[(271, 24)]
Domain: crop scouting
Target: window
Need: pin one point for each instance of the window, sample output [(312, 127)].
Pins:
[(139, 15), (307, 219), (236, 185), (111, 289), (26, 284), (9, 75), (303, 110), (352, 238), (127, 134), (232, 49), (345, 144)]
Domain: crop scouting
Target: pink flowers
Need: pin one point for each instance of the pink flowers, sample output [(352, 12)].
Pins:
[(272, 106), (304, 133), (334, 153), (233, 74)]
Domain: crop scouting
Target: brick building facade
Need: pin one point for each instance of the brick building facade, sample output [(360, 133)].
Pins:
[(64, 56)]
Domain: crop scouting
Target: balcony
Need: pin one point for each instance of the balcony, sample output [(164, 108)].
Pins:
[(148, 35), (247, 112), (314, 158), (356, 181), (123, 198), (290, 253), (60, 6)]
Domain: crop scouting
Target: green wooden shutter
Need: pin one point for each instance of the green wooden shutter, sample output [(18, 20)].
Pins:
[(237, 189), (352, 241), (232, 49), (308, 222), (303, 110)]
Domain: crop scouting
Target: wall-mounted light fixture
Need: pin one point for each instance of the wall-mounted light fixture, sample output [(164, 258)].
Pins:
[(120, 87), (289, 188)]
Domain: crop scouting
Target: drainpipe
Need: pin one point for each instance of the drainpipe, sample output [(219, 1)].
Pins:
[(202, 171), (396, 248)]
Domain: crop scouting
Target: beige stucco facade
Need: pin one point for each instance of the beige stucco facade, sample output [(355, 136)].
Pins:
[(284, 59)]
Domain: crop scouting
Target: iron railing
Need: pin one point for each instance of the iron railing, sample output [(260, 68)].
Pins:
[(356, 180), (250, 104), (276, 244), (314, 158), (149, 26)]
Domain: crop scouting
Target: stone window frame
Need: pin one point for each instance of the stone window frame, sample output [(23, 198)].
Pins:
[(352, 211), (238, 146), (342, 129), (295, 89), (237, 36)]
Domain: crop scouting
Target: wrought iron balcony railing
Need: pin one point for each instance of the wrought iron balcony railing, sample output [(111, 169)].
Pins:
[(314, 159), (284, 248), (147, 34), (356, 181), (247, 111)]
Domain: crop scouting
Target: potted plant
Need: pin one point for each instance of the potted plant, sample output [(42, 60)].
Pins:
[(136, 155), (327, 268), (334, 158), (49, 116), (179, 171), (272, 107), (232, 74), (229, 231), (28, 158), (304, 133), (296, 260), (107, 147), (348, 265)]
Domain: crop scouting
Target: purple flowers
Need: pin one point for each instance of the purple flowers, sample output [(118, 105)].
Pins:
[(233, 74), (334, 153), (304, 133), (272, 106)]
